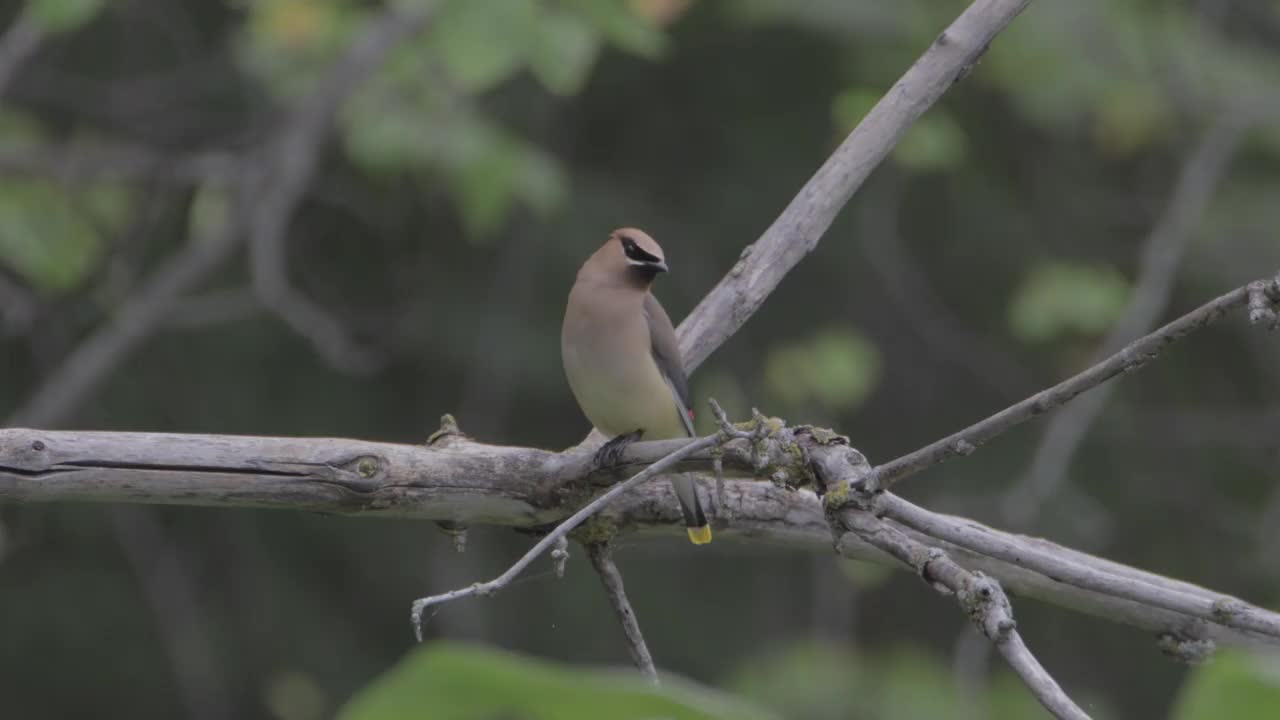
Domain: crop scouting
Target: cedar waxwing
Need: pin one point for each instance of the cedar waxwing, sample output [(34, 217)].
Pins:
[(622, 360)]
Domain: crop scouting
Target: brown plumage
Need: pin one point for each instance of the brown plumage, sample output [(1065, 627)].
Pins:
[(621, 357)]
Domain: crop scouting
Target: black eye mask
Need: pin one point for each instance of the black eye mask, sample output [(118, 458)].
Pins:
[(634, 252)]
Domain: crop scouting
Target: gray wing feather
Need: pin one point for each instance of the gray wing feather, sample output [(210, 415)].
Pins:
[(666, 353)]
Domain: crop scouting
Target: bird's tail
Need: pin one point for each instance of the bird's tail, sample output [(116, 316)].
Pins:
[(695, 519)]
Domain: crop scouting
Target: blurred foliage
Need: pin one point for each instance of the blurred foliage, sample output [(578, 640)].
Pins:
[(1234, 684), (835, 369), (416, 115), (818, 681), (63, 15), (1058, 298), (68, 230), (472, 683), (469, 178)]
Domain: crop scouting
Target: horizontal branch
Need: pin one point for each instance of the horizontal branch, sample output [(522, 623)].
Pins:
[(457, 480)]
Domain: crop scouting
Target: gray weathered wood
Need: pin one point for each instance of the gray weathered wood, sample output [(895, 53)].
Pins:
[(459, 480)]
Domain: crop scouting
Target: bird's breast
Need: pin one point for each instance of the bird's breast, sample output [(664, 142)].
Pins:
[(615, 380)]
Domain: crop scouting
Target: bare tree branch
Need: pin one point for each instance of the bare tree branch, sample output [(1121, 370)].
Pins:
[(601, 555), (1162, 253), (462, 481), (295, 158), (18, 43), (798, 229), (1132, 357), (979, 596), (18, 306), (562, 530), (80, 162), (108, 345), (1139, 587), (212, 308), (268, 190)]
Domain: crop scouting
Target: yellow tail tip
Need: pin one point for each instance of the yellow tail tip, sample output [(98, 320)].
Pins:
[(700, 535)]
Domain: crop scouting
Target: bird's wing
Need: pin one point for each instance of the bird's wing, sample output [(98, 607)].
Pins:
[(666, 353)]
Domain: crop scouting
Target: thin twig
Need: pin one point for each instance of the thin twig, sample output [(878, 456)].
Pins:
[(981, 597), (132, 322), (1162, 252), (1132, 357), (296, 156), (601, 555), (560, 556), (212, 308), (85, 162), (18, 306), (561, 530), (18, 43), (801, 225), (929, 316), (268, 190)]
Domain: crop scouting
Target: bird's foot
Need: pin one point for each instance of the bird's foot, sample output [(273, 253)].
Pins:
[(611, 452)]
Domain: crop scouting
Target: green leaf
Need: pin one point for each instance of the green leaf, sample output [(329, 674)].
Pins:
[(443, 680), (563, 51), (492, 170), (1234, 684), (20, 130), (836, 369), (483, 43), (850, 106), (809, 681), (47, 239), (57, 16), (622, 27), (822, 681), (935, 142), (1058, 298)]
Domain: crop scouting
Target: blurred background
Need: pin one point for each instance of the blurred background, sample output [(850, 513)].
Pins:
[(300, 217)]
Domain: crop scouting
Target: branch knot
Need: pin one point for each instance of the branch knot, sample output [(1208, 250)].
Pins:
[(1264, 301)]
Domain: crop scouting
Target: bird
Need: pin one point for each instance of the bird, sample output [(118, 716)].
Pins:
[(622, 361)]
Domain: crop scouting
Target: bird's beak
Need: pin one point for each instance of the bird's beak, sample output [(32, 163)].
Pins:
[(660, 266)]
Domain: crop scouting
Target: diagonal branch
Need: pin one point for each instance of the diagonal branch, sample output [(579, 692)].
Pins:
[(19, 42), (562, 530), (1158, 265), (1132, 357), (268, 191), (71, 381), (979, 596), (601, 555), (1145, 588), (296, 154), (801, 225)]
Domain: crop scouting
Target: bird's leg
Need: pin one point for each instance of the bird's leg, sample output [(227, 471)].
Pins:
[(611, 452)]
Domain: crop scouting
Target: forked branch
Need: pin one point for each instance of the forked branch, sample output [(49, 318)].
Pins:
[(979, 596)]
